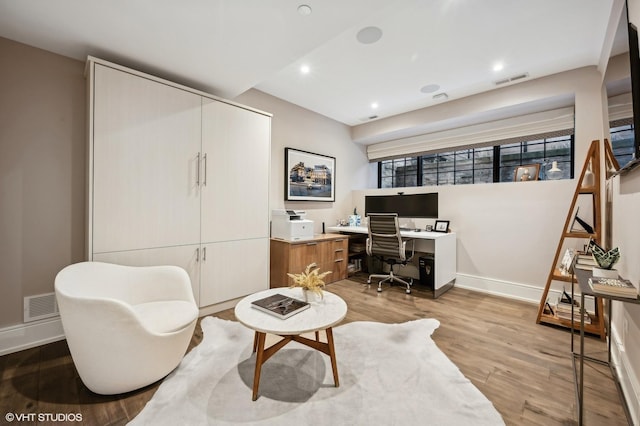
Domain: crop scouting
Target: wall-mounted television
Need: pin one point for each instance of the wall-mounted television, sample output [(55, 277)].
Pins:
[(406, 206), (634, 60)]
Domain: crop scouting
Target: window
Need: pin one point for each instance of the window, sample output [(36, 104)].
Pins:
[(622, 140), (479, 165)]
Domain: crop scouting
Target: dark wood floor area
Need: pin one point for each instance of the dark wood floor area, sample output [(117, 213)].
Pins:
[(523, 368)]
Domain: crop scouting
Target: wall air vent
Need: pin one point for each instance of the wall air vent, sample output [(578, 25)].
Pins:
[(512, 79), (40, 306)]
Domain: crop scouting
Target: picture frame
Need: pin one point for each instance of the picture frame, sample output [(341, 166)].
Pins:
[(309, 176), (441, 226), (526, 173), (567, 260)]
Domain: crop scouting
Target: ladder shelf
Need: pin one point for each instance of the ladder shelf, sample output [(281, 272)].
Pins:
[(593, 190)]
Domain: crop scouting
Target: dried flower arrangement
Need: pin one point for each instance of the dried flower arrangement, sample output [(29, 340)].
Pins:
[(311, 279)]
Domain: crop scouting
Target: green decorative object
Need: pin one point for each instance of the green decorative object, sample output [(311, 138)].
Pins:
[(604, 258)]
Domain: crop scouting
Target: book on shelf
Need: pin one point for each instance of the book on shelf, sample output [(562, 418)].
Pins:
[(280, 306), (585, 261), (613, 287), (561, 309)]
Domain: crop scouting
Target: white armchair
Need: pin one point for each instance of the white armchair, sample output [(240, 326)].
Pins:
[(126, 326)]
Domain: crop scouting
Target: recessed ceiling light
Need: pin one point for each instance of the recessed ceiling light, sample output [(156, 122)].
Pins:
[(498, 66), (304, 10), (374, 105), (304, 69), (430, 88), (369, 35)]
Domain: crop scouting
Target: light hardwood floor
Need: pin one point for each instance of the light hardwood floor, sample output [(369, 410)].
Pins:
[(523, 368)]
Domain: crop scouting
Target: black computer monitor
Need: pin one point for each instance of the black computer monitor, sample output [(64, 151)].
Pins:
[(406, 206)]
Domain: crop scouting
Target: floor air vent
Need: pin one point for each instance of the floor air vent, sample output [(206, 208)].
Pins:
[(40, 306)]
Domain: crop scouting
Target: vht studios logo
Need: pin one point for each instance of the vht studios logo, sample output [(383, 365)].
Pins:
[(43, 417)]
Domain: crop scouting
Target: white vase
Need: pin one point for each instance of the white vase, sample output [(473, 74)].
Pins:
[(311, 296), (605, 273), (589, 178)]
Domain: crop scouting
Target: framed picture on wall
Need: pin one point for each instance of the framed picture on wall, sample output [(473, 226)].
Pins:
[(309, 176), (526, 173)]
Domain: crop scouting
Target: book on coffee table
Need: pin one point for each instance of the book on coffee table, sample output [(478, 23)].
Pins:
[(280, 306)]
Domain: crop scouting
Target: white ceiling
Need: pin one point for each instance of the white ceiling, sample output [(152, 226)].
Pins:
[(226, 47)]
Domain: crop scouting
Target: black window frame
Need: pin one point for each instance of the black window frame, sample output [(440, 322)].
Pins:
[(524, 146)]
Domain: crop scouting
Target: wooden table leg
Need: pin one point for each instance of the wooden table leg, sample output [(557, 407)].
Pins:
[(259, 338), (255, 341), (332, 355)]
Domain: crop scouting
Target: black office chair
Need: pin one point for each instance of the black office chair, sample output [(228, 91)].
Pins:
[(385, 243)]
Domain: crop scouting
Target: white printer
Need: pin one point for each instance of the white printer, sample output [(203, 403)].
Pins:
[(291, 225)]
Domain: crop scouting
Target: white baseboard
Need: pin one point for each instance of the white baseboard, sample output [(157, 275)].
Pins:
[(629, 382), (524, 292), (24, 336)]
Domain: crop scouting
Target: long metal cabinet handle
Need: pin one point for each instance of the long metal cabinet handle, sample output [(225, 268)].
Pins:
[(204, 253), (204, 182), (198, 169), (198, 254)]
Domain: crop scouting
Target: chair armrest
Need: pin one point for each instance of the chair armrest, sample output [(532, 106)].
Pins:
[(404, 248)]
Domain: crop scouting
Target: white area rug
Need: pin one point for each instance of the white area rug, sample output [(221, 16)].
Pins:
[(390, 374)]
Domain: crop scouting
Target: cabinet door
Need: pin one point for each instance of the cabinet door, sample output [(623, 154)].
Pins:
[(235, 192), (303, 254), (145, 146), (185, 257), (233, 269)]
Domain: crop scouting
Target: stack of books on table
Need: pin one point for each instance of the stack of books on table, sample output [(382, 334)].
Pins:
[(585, 261), (613, 287)]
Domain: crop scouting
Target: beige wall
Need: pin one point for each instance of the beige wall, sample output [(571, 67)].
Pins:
[(42, 172), (296, 127)]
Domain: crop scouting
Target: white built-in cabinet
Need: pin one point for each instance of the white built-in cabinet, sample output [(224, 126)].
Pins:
[(178, 177)]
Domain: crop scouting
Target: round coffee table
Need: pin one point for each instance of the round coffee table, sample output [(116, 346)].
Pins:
[(322, 315)]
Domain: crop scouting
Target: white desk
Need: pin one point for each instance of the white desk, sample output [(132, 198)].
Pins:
[(442, 245)]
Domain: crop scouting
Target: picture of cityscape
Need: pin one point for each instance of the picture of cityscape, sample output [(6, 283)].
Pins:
[(309, 177)]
